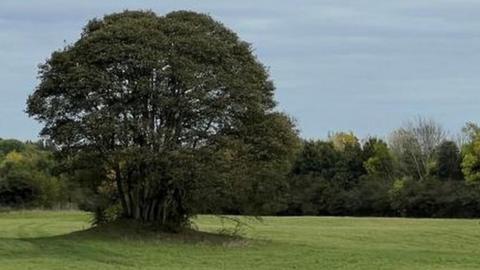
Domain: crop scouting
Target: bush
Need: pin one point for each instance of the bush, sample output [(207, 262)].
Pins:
[(371, 198), (435, 198), (26, 179)]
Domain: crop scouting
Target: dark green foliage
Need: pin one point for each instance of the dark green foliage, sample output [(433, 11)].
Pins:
[(7, 146), (27, 177), (447, 162), (176, 111), (371, 197), (338, 178), (435, 198), (349, 167), (306, 195), (248, 173), (318, 158), (341, 165)]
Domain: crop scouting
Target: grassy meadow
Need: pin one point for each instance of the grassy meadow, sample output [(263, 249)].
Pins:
[(63, 240)]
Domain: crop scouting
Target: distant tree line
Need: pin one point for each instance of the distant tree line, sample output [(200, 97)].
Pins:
[(417, 172)]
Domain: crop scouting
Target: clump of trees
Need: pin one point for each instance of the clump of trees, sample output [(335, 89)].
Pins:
[(28, 178), (172, 111), (419, 172)]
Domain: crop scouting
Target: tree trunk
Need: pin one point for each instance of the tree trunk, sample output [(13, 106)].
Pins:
[(121, 192)]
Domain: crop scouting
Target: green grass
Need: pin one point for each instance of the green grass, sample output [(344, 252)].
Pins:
[(58, 240)]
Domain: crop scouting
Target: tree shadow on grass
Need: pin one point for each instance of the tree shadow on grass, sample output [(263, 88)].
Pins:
[(129, 231), (109, 244)]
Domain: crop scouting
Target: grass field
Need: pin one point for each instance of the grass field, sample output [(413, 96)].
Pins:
[(55, 240)]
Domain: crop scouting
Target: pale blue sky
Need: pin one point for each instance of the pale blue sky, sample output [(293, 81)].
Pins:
[(359, 65)]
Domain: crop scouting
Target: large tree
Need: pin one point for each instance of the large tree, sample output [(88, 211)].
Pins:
[(166, 104)]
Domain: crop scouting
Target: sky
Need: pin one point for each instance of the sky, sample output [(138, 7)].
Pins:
[(365, 66)]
